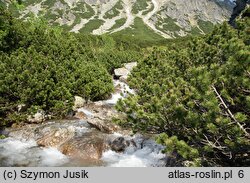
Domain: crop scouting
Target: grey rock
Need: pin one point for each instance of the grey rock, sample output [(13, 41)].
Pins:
[(130, 66), (123, 79), (103, 125), (121, 72), (119, 144)]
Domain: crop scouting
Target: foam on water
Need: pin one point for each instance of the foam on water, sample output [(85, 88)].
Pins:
[(18, 152), (114, 99), (124, 87), (116, 134), (125, 90), (146, 156), (15, 152), (114, 159), (86, 112), (52, 157)]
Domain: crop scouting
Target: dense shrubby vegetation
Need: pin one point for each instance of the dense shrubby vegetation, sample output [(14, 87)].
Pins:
[(43, 67), (195, 93), (198, 98)]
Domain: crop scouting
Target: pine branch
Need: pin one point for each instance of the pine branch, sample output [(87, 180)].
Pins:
[(248, 73), (213, 144), (229, 112)]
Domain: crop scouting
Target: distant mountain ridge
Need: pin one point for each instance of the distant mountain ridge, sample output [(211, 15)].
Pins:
[(167, 18)]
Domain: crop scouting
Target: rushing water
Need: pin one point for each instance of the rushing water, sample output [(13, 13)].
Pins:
[(14, 152), (124, 91), (21, 149), (146, 156), (20, 152)]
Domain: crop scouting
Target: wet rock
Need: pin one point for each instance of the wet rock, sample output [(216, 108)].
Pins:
[(130, 66), (123, 79), (80, 115), (103, 125), (120, 144), (86, 112), (121, 72), (89, 147), (56, 137), (17, 131), (37, 118), (78, 103), (118, 88)]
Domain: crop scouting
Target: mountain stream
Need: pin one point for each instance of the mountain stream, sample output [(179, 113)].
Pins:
[(77, 143)]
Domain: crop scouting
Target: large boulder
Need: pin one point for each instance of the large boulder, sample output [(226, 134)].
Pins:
[(89, 147), (78, 140), (121, 72), (124, 71), (130, 66), (55, 137)]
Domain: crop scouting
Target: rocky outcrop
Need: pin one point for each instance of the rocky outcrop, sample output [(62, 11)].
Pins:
[(84, 145), (130, 66)]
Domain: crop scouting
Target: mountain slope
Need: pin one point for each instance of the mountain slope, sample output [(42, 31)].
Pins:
[(168, 18)]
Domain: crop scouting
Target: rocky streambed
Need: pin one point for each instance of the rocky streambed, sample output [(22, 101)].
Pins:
[(88, 140)]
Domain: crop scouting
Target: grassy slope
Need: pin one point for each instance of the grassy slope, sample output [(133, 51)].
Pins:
[(91, 25), (140, 6), (118, 23), (115, 11), (140, 31)]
